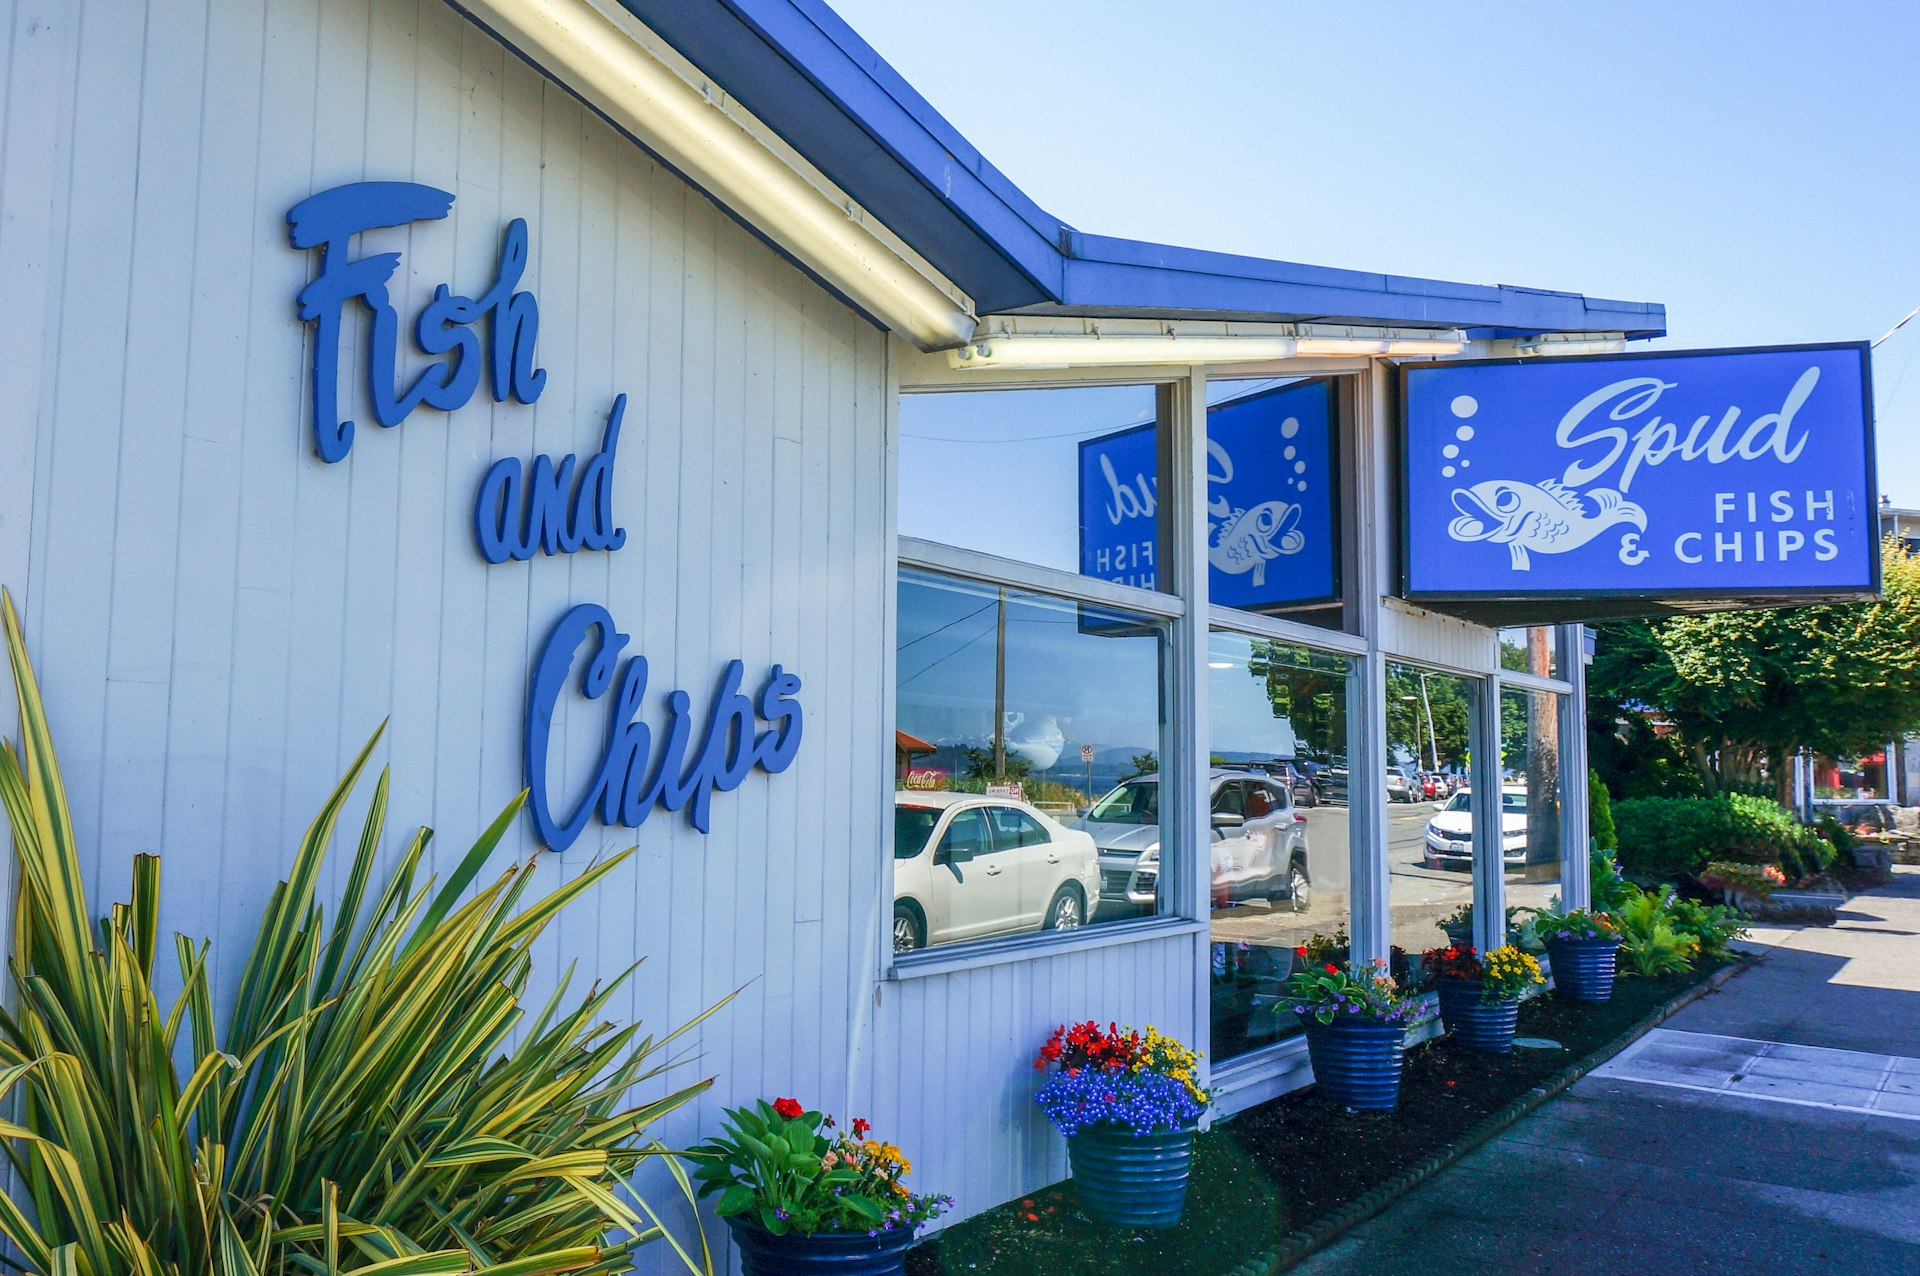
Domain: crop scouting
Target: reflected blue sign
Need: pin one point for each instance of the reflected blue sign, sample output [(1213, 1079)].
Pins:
[(1674, 476), (1271, 501)]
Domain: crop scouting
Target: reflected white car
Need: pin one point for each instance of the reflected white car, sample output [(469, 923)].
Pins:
[(971, 867), (1258, 843), (1450, 833)]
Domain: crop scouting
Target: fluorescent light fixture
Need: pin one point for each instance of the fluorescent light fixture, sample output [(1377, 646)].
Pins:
[(1572, 343), (1348, 346), (628, 73), (1087, 350)]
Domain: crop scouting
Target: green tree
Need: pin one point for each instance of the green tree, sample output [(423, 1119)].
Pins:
[(1745, 689)]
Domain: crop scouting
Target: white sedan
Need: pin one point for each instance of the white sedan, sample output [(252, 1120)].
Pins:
[(1450, 833), (971, 867)]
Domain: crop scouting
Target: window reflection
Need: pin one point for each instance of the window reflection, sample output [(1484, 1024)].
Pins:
[(1014, 712), (1279, 854), (1851, 776), (1530, 725), (1533, 650), (1430, 809), (1064, 478)]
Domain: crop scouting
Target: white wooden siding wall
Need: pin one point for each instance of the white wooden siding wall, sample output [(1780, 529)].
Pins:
[(220, 620)]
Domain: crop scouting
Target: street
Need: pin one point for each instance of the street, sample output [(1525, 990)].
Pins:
[(1419, 896), (1772, 1126)]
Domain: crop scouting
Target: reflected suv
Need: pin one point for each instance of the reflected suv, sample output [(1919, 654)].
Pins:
[(970, 867), (1258, 847)]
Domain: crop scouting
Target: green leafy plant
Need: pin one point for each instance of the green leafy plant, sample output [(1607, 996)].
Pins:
[(1712, 927), (377, 1103), (1328, 992), (1606, 887), (1649, 944), (1577, 923), (789, 1169)]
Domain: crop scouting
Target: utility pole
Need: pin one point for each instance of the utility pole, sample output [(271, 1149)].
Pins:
[(1000, 692)]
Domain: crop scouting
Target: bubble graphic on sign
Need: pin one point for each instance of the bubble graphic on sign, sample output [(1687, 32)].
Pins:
[(1465, 405), (1446, 471), (1289, 453), (1290, 427), (1450, 451), (1464, 433)]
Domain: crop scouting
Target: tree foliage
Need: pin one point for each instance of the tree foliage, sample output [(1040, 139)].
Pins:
[(1743, 688)]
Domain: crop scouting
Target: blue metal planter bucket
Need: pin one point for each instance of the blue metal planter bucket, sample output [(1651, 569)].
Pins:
[(1132, 1180), (1583, 968), (822, 1254), (1476, 1024), (1357, 1063)]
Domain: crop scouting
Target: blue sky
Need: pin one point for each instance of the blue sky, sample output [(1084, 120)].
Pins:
[(1754, 166)]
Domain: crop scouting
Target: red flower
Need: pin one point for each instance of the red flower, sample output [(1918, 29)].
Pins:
[(788, 1108), (1300, 951), (1332, 969), (860, 1127)]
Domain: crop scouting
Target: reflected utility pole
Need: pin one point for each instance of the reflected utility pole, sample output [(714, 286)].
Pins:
[(1433, 741), (1000, 691)]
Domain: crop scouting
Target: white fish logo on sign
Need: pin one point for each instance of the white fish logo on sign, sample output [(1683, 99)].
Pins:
[(1248, 538), (1543, 518)]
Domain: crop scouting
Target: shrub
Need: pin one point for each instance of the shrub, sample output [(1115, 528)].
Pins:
[(374, 1099), (1600, 813), (1670, 839), (1756, 879)]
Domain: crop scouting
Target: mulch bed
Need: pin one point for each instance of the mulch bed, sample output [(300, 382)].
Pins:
[(1277, 1168)]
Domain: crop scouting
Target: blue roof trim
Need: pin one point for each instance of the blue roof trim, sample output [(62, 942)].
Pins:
[(809, 76)]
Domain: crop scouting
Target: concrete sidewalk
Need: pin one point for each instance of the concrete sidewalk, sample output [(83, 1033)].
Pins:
[(1768, 1127)]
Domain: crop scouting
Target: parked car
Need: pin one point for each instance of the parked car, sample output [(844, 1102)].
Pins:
[(1295, 775), (969, 867), (1450, 832), (1258, 850), (1400, 786), (1329, 780), (1433, 785)]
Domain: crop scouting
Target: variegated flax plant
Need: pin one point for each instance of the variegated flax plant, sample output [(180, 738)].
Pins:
[(376, 1102)]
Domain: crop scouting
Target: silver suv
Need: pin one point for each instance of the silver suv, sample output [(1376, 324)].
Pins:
[(1258, 850)]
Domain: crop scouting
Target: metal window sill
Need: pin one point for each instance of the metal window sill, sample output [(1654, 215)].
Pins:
[(999, 952)]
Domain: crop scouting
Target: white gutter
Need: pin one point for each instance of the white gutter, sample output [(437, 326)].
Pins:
[(628, 73)]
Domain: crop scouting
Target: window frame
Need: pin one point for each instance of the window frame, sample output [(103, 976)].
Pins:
[(1184, 820), (1264, 1064)]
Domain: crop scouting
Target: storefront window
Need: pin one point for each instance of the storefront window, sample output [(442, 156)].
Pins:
[(1026, 726), (1431, 809), (1273, 498), (1066, 478), (1280, 858), (1851, 777), (1530, 731), (1534, 650)]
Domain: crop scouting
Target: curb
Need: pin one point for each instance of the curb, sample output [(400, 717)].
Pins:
[(1331, 1226)]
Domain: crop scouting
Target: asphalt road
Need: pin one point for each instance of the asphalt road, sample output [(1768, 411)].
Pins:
[(1420, 896)]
